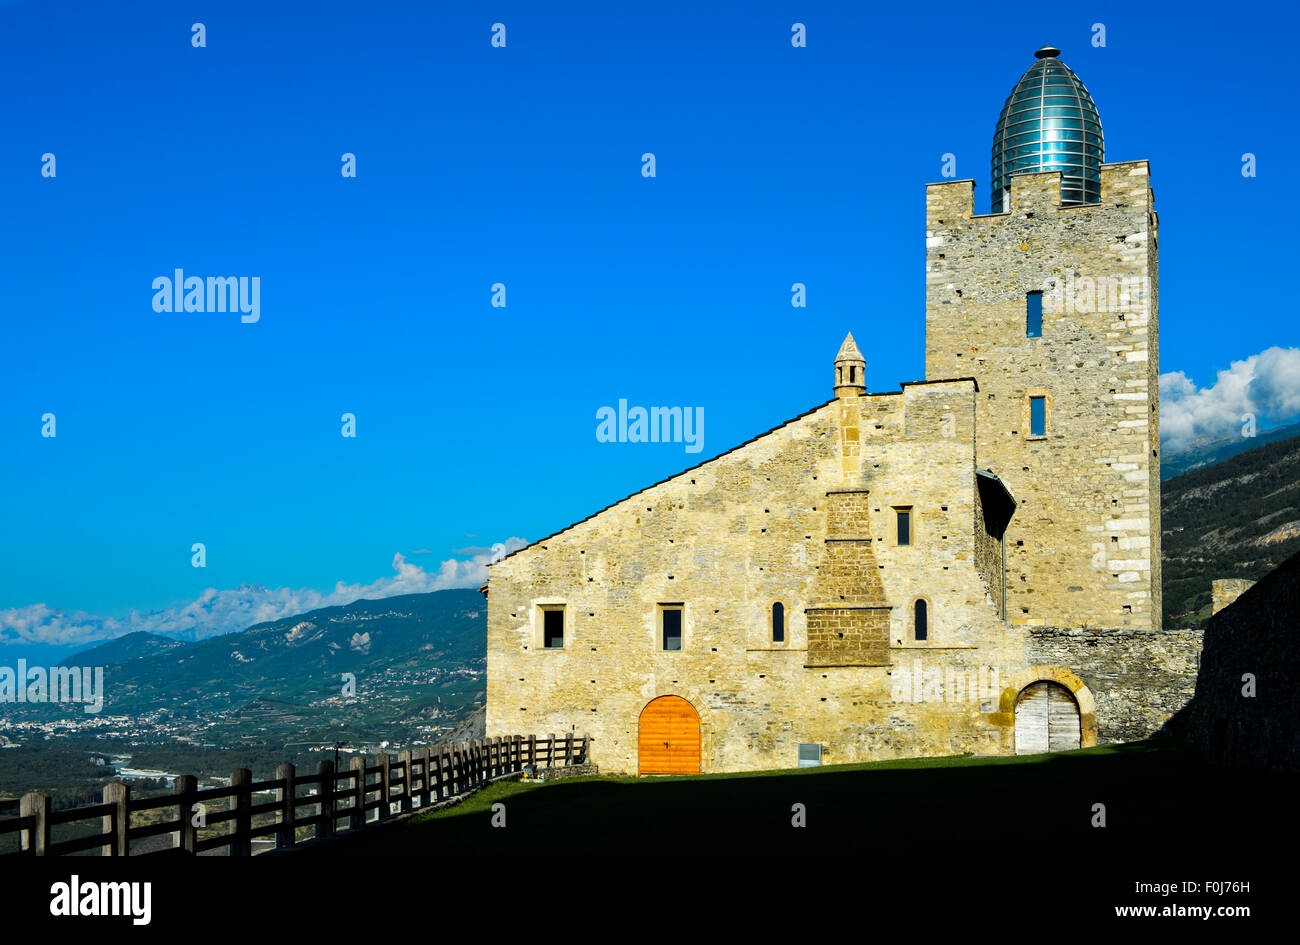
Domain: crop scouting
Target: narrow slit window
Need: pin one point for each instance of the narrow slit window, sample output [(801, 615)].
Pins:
[(672, 628), (920, 623), (904, 526), (553, 628), (1038, 416), (778, 622), (1034, 315)]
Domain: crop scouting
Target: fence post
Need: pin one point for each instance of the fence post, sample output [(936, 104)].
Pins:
[(36, 839), (424, 777), (518, 759), (444, 773), (586, 749), (325, 827), (568, 748), (385, 787), (241, 802), (532, 750), (185, 787), (288, 813), (404, 759), (550, 750), (358, 819), (117, 793)]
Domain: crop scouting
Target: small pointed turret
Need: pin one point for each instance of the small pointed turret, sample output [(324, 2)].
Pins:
[(850, 369)]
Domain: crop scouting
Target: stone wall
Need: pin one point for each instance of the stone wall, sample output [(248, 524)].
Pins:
[(1139, 679), (1084, 543), (1224, 592), (1247, 706), (564, 772)]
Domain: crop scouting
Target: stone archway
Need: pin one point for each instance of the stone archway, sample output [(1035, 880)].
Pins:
[(1005, 716), (1047, 719)]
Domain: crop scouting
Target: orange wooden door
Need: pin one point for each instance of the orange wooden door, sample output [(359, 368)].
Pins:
[(669, 737)]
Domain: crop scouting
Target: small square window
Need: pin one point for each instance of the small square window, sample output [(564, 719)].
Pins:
[(553, 628), (1038, 416), (671, 619)]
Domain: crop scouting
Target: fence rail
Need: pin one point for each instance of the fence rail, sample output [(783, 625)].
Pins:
[(314, 803)]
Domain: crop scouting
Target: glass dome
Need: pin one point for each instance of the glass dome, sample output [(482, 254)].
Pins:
[(1049, 123)]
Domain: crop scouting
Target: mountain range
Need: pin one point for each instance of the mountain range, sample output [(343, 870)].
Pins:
[(1216, 451), (409, 666)]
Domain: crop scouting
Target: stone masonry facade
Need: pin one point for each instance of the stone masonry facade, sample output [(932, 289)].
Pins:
[(852, 513), (1091, 482)]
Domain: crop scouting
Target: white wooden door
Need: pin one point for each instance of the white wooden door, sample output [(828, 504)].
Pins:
[(1062, 720), (1047, 719)]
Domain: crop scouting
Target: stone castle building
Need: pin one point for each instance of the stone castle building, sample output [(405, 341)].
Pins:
[(969, 564)]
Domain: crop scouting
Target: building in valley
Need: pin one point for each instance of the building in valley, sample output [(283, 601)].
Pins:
[(968, 564)]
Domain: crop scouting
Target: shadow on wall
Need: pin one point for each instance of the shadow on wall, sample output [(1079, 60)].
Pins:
[(1246, 710)]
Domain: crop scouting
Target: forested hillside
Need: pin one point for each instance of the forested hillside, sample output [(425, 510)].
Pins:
[(1237, 518)]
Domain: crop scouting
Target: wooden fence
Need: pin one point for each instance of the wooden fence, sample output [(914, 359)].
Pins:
[(415, 779)]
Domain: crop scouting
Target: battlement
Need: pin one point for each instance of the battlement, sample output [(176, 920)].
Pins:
[(1124, 184)]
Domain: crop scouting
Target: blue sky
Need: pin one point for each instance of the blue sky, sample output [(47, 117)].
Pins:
[(521, 165)]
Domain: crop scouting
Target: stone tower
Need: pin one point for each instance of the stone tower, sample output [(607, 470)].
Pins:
[(1052, 306), (850, 369)]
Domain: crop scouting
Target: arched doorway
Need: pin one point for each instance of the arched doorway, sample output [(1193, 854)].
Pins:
[(1047, 719), (668, 737)]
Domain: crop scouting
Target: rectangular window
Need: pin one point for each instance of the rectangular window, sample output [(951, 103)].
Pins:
[(1034, 315), (553, 628), (672, 626), (1038, 416), (810, 756), (904, 525)]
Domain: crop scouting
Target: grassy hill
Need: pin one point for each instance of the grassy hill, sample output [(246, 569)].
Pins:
[(1237, 518), (129, 646)]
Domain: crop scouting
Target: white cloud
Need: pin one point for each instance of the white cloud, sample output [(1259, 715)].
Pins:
[(1265, 386), (215, 612)]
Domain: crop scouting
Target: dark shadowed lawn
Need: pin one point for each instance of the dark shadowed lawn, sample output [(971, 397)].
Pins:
[(960, 810)]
